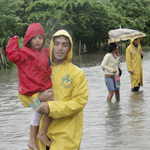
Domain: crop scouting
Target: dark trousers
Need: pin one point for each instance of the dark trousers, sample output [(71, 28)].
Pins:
[(136, 89), (47, 148)]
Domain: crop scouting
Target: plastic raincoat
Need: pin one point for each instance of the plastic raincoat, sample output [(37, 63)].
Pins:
[(33, 69), (71, 95), (134, 62)]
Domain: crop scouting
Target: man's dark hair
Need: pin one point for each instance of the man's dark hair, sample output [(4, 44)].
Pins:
[(111, 47), (63, 36)]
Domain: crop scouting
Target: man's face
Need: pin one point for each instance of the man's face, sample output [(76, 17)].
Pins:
[(37, 42), (60, 49)]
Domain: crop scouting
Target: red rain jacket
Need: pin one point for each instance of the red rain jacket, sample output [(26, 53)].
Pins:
[(33, 69)]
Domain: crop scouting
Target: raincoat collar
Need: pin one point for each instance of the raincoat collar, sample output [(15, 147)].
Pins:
[(33, 30), (59, 33)]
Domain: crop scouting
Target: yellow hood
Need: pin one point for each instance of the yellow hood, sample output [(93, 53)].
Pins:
[(139, 45), (59, 33)]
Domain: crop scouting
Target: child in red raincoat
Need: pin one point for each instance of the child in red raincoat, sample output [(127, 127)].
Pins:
[(34, 74)]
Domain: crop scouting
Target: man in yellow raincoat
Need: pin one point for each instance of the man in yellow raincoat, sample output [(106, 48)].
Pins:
[(70, 94), (134, 56)]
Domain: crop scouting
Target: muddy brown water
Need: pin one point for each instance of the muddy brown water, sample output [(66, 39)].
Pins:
[(107, 126)]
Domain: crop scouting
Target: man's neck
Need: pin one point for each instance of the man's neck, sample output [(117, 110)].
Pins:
[(56, 62)]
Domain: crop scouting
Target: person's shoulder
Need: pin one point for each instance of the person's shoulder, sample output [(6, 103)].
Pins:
[(108, 55), (130, 48), (26, 52), (130, 45), (75, 72), (76, 69)]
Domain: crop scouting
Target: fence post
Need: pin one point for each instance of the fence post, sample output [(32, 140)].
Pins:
[(79, 47), (2, 56)]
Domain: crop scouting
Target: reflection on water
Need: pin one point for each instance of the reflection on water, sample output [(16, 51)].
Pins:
[(113, 124), (88, 60), (107, 126)]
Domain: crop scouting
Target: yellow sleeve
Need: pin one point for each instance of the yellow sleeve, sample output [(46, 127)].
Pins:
[(128, 60), (27, 99), (75, 104)]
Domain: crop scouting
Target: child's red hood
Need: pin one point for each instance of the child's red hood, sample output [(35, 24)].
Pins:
[(33, 30)]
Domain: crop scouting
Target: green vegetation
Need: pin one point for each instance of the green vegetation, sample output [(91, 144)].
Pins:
[(87, 21)]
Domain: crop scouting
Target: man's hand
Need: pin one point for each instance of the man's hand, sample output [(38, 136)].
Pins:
[(142, 53), (43, 108), (131, 72)]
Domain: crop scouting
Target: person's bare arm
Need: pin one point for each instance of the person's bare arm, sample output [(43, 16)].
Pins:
[(47, 95)]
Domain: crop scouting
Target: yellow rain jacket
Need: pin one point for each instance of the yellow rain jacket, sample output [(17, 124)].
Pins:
[(71, 95), (134, 62)]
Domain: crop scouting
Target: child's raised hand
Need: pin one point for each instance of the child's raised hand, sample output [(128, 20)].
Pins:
[(16, 36)]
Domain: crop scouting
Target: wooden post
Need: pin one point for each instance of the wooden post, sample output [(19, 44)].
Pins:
[(2, 56), (79, 47)]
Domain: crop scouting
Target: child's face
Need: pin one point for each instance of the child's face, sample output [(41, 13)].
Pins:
[(37, 42)]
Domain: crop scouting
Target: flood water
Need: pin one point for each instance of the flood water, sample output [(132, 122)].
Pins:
[(107, 126)]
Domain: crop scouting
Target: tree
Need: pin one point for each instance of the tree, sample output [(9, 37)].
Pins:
[(9, 21), (86, 20), (138, 11)]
